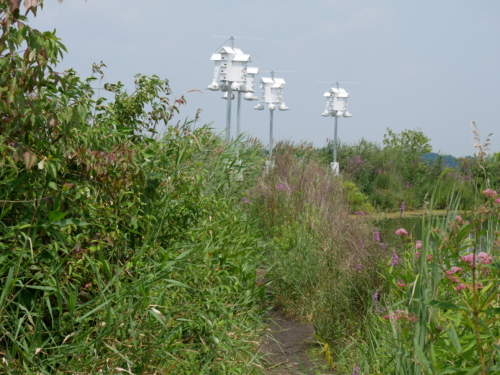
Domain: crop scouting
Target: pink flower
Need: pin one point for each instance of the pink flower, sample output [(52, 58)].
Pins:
[(497, 201), (490, 193), (451, 272), (401, 232), (461, 287), (418, 245), (417, 254), (458, 218), (468, 258), (485, 258), (402, 285)]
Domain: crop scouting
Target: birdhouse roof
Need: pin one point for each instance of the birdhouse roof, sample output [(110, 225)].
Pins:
[(242, 57), (266, 80), (343, 93), (216, 57), (227, 50), (252, 70), (280, 81)]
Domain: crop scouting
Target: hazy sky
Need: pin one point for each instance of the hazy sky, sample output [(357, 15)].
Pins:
[(433, 65)]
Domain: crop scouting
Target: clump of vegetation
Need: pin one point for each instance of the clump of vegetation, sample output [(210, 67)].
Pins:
[(438, 311), (121, 251), (399, 171), (322, 261)]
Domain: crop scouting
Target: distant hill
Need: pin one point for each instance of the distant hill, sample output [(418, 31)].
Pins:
[(448, 160)]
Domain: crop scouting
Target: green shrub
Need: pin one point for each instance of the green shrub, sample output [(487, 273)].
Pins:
[(120, 250)]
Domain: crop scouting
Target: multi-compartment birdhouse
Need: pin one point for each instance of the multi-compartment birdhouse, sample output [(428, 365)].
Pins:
[(272, 92), (336, 103), (230, 68)]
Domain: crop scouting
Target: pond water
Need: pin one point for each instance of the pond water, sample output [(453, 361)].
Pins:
[(389, 226)]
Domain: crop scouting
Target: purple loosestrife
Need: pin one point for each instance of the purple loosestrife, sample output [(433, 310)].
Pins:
[(355, 370), (359, 267), (375, 303), (395, 258), (402, 210), (377, 236)]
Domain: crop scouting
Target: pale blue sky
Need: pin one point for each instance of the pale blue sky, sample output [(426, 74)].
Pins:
[(428, 64)]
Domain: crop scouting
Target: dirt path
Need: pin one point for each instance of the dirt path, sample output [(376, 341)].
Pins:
[(288, 347), (288, 344)]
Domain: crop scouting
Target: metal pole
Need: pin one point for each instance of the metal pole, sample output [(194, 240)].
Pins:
[(228, 113), (238, 124), (335, 141), (271, 136)]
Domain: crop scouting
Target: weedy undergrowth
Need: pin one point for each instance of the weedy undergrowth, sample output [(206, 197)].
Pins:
[(121, 251), (322, 262)]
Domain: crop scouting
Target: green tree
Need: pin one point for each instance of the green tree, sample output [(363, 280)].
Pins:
[(412, 143)]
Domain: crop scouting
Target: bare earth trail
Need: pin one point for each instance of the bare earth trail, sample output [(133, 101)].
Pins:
[(288, 345)]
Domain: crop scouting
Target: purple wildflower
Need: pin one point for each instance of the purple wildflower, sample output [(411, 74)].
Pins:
[(377, 236), (355, 371), (361, 213), (383, 245), (395, 258), (375, 303), (359, 267), (245, 200), (402, 210)]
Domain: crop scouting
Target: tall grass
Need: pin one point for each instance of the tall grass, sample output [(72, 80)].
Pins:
[(322, 262), (156, 276), (439, 310)]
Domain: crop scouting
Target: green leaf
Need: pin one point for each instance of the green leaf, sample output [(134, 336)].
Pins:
[(77, 222), (445, 305), (421, 357), (92, 311), (56, 215), (178, 283), (454, 338), (495, 310)]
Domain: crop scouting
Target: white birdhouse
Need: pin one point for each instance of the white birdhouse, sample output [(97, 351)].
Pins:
[(336, 103), (230, 66), (272, 92), (248, 87)]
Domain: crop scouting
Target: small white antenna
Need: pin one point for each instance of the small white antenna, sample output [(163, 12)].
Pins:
[(242, 37), (337, 82)]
